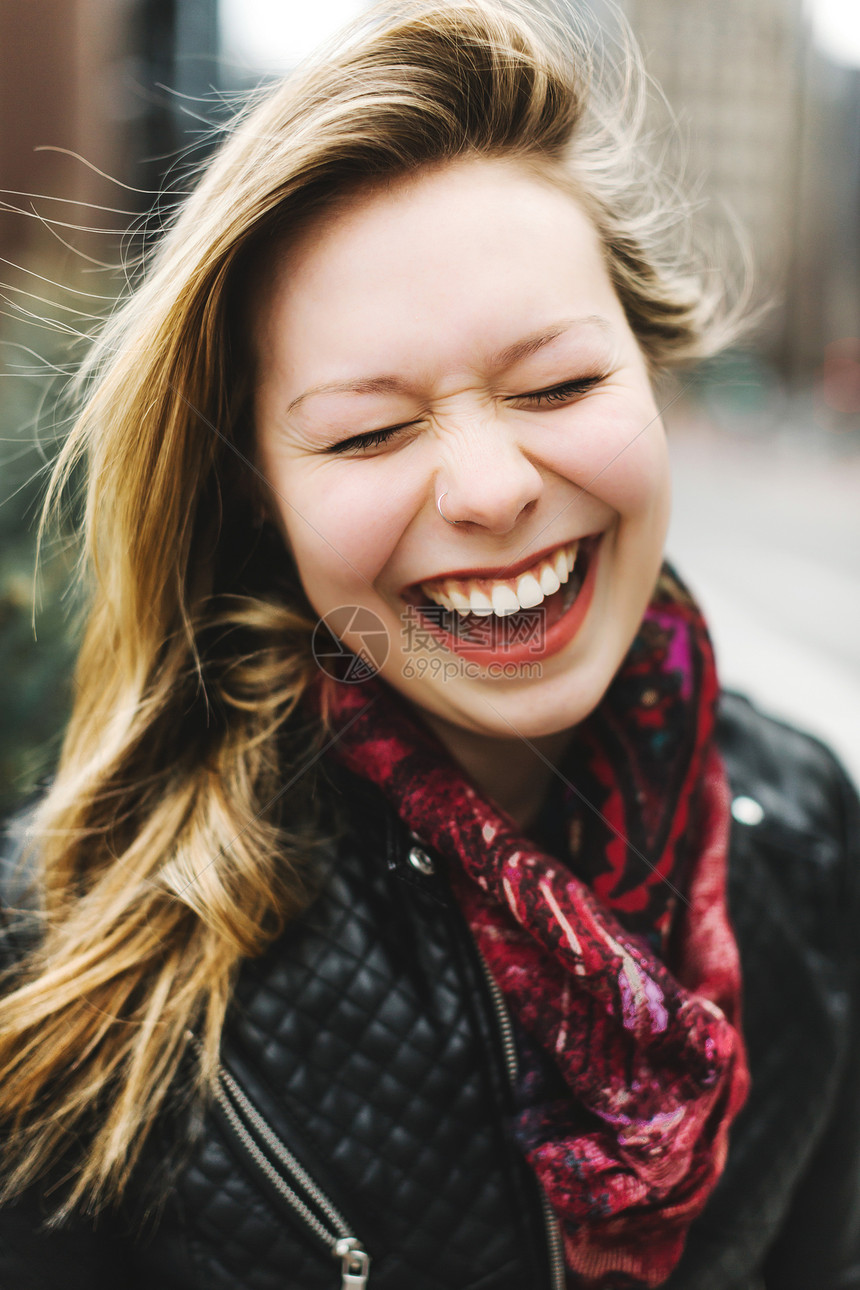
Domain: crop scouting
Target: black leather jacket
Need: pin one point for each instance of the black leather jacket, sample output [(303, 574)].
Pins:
[(367, 1062)]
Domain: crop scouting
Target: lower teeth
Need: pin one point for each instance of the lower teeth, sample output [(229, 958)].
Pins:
[(571, 591)]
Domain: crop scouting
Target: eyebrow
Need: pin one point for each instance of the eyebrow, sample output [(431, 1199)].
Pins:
[(499, 361)]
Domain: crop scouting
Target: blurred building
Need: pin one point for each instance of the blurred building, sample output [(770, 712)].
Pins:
[(774, 129), (131, 86), (98, 99), (769, 128), (55, 93), (826, 295)]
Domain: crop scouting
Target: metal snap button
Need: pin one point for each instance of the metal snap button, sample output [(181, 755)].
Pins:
[(421, 861), (746, 810)]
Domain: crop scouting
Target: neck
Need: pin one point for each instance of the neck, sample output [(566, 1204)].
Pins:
[(514, 773)]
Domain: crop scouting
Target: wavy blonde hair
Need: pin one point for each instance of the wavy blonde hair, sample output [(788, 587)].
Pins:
[(167, 847)]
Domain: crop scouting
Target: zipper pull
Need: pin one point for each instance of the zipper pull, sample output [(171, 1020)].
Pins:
[(354, 1263)]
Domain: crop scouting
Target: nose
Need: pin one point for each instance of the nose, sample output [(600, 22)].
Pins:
[(486, 479)]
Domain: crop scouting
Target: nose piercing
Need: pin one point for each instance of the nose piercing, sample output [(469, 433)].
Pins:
[(441, 512)]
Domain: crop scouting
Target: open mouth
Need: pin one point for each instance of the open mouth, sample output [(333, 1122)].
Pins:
[(489, 614)]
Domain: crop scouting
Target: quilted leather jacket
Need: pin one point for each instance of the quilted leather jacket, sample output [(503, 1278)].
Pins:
[(359, 1138)]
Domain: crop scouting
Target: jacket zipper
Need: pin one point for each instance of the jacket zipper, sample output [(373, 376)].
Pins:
[(243, 1116), (553, 1233)]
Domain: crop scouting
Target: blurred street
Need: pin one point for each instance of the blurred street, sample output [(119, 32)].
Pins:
[(766, 531)]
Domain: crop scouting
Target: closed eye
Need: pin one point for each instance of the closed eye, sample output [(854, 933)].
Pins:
[(373, 439), (558, 394), (555, 395)]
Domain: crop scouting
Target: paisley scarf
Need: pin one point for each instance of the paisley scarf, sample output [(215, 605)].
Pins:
[(614, 955)]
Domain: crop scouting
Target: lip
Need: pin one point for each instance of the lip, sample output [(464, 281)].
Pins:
[(512, 570), (556, 636)]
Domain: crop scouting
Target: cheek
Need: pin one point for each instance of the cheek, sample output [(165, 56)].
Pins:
[(343, 520), (617, 454)]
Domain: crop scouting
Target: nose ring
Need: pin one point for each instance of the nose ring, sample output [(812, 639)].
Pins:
[(441, 512)]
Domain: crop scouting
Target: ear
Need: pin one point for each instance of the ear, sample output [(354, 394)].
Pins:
[(252, 492), (261, 511)]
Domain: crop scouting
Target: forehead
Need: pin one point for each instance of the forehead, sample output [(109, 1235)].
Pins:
[(444, 265)]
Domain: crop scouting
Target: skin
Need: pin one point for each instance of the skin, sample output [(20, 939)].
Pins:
[(425, 281)]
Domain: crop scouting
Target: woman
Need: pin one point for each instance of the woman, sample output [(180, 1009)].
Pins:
[(390, 925)]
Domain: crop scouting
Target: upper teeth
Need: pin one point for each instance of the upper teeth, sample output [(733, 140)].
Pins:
[(504, 596)]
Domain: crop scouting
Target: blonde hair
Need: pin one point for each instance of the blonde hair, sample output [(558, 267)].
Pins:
[(168, 849)]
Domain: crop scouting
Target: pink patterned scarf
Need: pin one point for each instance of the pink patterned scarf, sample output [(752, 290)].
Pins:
[(616, 960)]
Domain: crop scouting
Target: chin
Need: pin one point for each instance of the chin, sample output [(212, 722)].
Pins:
[(551, 709), (529, 709)]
